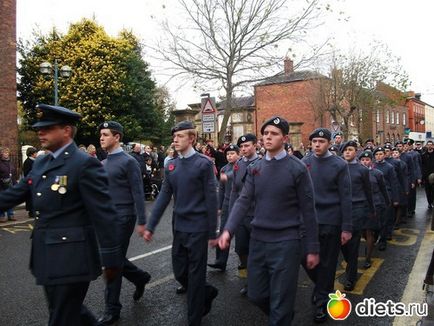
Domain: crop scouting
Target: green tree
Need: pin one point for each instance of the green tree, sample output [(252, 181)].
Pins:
[(110, 80)]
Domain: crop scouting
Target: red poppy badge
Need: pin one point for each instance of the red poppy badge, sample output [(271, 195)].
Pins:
[(171, 167)]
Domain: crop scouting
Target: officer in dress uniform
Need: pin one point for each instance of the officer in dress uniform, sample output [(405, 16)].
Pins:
[(75, 221), (191, 180), (338, 140)]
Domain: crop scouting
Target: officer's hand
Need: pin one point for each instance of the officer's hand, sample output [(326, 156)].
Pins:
[(213, 243), (219, 212), (140, 229), (345, 237), (147, 235), (395, 204), (312, 260), (110, 274), (223, 177), (419, 181), (224, 240), (412, 186)]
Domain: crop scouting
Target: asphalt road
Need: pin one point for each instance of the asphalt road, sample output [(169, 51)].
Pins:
[(23, 303)]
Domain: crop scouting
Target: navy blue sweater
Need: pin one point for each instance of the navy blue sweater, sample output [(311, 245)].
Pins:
[(193, 184), (283, 195), (381, 196), (360, 185), (125, 185), (225, 188), (392, 184), (240, 173), (332, 186)]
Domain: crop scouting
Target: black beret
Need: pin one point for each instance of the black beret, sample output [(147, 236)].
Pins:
[(246, 138), (183, 125), (366, 154), (50, 115), (395, 149), (288, 146), (369, 148), (232, 147), (321, 133), (339, 133), (349, 143), (334, 148), (379, 149), (399, 143), (387, 146), (278, 122), (410, 141), (369, 140), (112, 125)]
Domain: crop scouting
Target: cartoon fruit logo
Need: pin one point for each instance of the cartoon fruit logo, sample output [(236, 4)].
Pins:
[(338, 307)]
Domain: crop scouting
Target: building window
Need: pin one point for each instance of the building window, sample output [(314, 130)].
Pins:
[(392, 117), (397, 118), (378, 116), (387, 116), (404, 119)]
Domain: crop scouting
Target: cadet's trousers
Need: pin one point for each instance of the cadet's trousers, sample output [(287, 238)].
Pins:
[(130, 271), (242, 236), (189, 258), (272, 279), (412, 200), (387, 223), (350, 251), (429, 192), (221, 256), (65, 305), (323, 275)]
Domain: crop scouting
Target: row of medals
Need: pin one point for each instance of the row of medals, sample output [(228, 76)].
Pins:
[(59, 184)]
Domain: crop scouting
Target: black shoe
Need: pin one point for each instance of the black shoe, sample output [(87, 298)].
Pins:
[(181, 289), (241, 266), (140, 288), (108, 319), (320, 315), (382, 246), (220, 266), (243, 291), (367, 264), (349, 286), (211, 295)]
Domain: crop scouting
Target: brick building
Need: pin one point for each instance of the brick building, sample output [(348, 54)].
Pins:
[(8, 88), (290, 94), (416, 112)]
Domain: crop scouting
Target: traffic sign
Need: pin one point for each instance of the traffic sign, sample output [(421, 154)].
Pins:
[(208, 114)]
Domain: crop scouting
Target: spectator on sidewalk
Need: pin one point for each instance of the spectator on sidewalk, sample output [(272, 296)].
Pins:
[(8, 178), (31, 153), (427, 170)]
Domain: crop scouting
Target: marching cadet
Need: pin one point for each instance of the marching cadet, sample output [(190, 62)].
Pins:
[(362, 209), (403, 187), (126, 189), (381, 201), (393, 191), (190, 179), (338, 140), (247, 145), (407, 158), (417, 164), (225, 187), (401, 172), (75, 221), (335, 150), (281, 188), (332, 188)]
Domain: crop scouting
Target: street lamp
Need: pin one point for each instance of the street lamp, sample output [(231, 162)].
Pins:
[(46, 69)]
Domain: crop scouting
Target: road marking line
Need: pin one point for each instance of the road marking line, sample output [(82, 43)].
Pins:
[(160, 281), (413, 291), (404, 237), (15, 222), (150, 253)]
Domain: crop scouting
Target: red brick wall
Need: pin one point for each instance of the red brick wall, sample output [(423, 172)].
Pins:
[(8, 88), (292, 101)]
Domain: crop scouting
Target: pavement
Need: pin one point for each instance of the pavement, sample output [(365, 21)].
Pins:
[(397, 274)]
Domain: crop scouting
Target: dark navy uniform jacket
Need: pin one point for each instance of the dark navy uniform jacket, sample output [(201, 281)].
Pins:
[(69, 226)]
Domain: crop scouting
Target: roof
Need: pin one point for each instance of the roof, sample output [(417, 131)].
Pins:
[(238, 102), (294, 76)]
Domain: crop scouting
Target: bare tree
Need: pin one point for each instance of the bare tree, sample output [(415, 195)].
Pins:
[(234, 43), (350, 89)]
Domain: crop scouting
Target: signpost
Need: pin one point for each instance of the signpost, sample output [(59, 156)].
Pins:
[(208, 114)]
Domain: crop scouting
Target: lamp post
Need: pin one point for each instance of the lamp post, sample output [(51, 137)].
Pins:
[(65, 71)]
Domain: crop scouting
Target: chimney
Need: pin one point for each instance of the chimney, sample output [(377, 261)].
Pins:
[(288, 66)]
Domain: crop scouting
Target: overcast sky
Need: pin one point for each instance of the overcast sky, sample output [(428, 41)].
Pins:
[(405, 26)]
